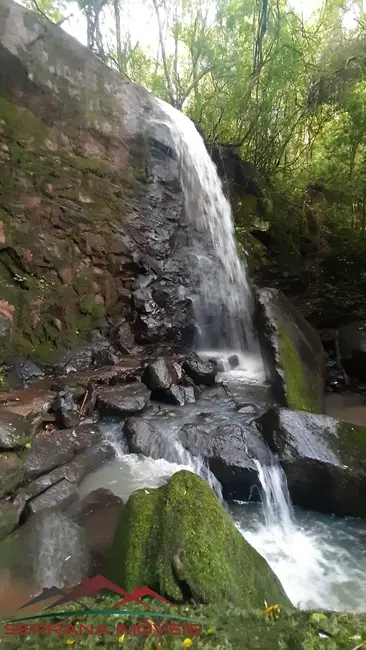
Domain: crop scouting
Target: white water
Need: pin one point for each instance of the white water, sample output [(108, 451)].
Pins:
[(224, 307), (320, 560)]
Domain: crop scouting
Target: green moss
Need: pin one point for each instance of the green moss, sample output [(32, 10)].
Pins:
[(181, 542), (300, 393), (221, 628)]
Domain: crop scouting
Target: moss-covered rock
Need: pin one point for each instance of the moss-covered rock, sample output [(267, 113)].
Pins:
[(179, 541), (294, 352), (11, 472)]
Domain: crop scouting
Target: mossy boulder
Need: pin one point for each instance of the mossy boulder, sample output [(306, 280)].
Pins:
[(179, 541), (293, 352), (324, 459), (11, 472)]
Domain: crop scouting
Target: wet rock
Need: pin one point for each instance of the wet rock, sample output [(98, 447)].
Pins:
[(123, 400), (48, 550), (142, 438), (189, 395), (21, 372), (32, 402), (293, 352), (323, 458), (79, 360), (104, 355), (8, 518), (234, 361), (97, 514), (201, 372), (50, 451), (230, 450), (173, 395), (162, 541), (11, 472), (14, 430), (352, 343), (64, 408), (123, 338), (159, 375), (61, 495)]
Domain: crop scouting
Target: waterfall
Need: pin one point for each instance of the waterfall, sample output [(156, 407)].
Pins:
[(277, 507), (224, 306)]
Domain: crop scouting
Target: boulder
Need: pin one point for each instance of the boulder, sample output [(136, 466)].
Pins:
[(202, 372), (60, 495), (21, 372), (123, 338), (8, 518), (64, 408), (159, 375), (97, 514), (50, 451), (180, 541), (143, 438), (14, 430), (230, 450), (48, 550), (123, 400), (173, 395), (11, 472), (293, 352), (324, 460), (352, 343)]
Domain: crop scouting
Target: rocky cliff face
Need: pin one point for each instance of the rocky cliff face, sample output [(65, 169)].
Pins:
[(90, 200)]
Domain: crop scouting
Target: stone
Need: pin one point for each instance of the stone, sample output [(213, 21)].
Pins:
[(8, 518), (230, 450), (14, 430), (323, 458), (64, 408), (293, 352), (97, 514), (173, 395), (123, 338), (201, 372), (123, 400), (11, 472), (50, 451), (60, 496), (234, 361), (179, 540), (104, 356), (158, 375), (21, 372), (142, 438), (352, 344), (48, 550)]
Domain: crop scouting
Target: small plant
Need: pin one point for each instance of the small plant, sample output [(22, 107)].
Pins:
[(2, 375)]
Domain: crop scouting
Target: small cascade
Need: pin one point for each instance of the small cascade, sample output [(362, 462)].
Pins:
[(276, 500), (224, 306)]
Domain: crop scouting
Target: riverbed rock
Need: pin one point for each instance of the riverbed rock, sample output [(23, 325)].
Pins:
[(11, 472), (123, 400), (323, 458), (60, 495), (123, 337), (159, 375), (202, 372), (50, 451), (14, 430), (179, 540), (48, 550), (230, 450), (97, 514), (352, 343), (8, 518), (293, 352), (64, 408), (21, 372)]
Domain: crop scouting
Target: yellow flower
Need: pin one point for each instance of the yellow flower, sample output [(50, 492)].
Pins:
[(187, 643), (209, 631), (69, 642), (273, 610), (121, 638)]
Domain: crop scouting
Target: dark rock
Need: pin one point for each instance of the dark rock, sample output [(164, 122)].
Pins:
[(48, 452), (8, 518), (324, 460), (79, 360), (162, 534), (104, 355), (48, 550), (142, 438), (60, 496), (293, 352), (173, 395), (14, 430), (230, 450), (21, 372), (123, 400), (11, 472), (159, 375), (97, 514), (123, 338), (234, 361), (202, 372), (352, 343), (65, 410)]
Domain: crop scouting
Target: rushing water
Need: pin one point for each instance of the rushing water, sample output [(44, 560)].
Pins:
[(320, 560), (224, 306)]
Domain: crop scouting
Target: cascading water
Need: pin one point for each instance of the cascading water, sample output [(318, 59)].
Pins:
[(224, 306)]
